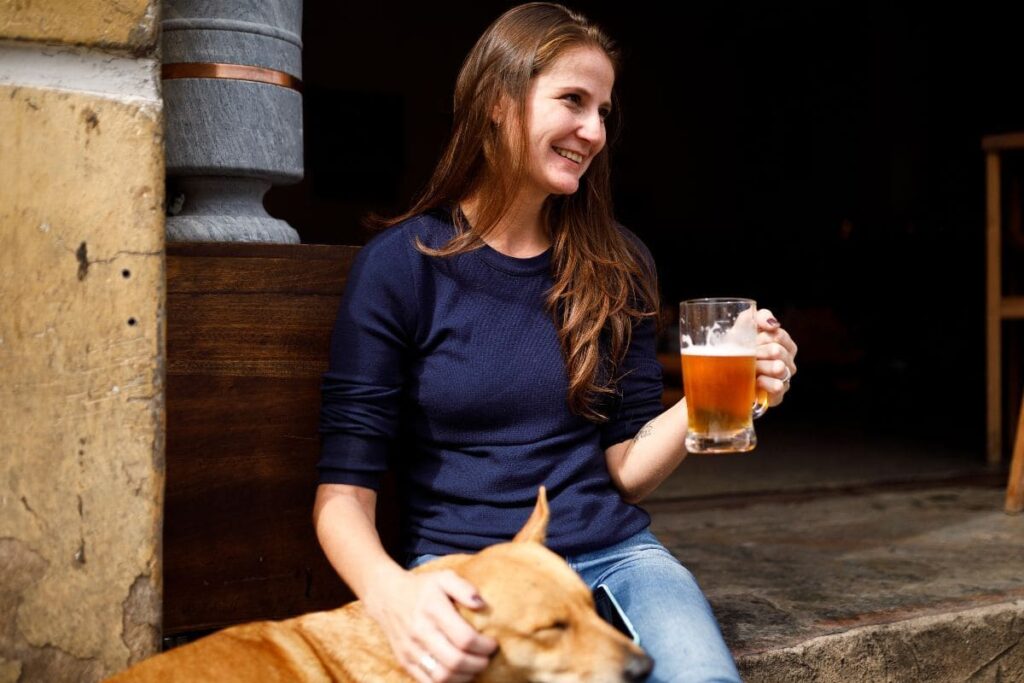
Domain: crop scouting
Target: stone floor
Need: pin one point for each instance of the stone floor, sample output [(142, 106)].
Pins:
[(805, 455), (920, 581)]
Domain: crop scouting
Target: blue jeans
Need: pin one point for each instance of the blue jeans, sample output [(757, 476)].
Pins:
[(665, 605)]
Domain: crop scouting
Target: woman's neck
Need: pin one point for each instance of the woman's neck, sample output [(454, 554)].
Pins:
[(520, 233)]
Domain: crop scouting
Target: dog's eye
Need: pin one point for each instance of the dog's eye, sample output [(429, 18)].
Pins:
[(557, 626)]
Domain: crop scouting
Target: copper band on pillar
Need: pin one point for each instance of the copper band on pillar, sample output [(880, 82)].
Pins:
[(234, 72)]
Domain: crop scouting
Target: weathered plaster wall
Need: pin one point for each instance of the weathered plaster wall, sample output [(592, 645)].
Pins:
[(126, 24), (81, 340)]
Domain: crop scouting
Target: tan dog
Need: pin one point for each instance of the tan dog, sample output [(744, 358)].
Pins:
[(539, 611)]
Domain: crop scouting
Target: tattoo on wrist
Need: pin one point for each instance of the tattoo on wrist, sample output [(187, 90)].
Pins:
[(644, 431)]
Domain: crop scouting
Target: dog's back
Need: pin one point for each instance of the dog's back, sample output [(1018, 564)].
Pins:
[(337, 645), (537, 608)]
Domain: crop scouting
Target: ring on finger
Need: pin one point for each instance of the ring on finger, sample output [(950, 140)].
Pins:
[(428, 663), (789, 376)]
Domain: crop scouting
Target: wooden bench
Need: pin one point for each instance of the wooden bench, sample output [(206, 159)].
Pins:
[(248, 327)]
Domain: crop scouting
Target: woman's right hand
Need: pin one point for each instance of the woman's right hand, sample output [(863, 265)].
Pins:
[(428, 636)]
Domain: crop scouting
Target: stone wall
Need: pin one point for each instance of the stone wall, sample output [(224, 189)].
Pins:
[(81, 338)]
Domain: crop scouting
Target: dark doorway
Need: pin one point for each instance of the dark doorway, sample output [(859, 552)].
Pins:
[(834, 156)]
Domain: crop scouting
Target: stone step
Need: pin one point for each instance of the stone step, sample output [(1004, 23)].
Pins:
[(979, 644), (920, 584)]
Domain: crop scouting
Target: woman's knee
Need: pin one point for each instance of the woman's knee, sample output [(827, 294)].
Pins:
[(663, 601)]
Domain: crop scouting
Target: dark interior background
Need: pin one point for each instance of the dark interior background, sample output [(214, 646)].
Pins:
[(826, 163)]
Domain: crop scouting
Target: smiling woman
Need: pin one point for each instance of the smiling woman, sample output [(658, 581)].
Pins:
[(566, 108), (500, 336), (541, 78)]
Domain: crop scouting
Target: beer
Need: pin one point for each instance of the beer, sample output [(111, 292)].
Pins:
[(718, 342), (719, 386)]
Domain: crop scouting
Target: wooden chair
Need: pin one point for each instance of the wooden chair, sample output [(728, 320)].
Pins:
[(1000, 306), (1015, 486)]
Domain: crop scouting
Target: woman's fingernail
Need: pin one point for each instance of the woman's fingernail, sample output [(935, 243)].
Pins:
[(477, 601), (773, 321)]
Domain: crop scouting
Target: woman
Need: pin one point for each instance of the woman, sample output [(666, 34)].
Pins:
[(499, 336)]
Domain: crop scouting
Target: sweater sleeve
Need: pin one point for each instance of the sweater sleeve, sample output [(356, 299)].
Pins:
[(370, 347), (640, 378), (639, 388)]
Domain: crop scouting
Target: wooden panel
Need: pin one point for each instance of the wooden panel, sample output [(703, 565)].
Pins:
[(316, 269), (236, 334), (248, 328), (993, 293)]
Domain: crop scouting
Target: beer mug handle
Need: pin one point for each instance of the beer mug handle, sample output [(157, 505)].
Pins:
[(760, 403)]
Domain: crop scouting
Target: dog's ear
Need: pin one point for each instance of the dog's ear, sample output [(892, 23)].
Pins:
[(536, 527)]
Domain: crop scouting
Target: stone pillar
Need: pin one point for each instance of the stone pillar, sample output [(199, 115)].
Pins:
[(81, 338), (234, 116)]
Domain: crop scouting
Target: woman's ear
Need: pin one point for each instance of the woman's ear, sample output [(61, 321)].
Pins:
[(501, 109)]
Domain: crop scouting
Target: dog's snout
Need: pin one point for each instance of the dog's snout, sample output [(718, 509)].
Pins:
[(637, 667)]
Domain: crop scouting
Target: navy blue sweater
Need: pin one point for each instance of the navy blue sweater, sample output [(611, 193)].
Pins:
[(449, 370)]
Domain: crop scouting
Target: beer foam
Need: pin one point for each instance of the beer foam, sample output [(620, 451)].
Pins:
[(739, 334), (726, 349)]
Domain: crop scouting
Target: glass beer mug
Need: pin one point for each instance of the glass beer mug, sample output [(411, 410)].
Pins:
[(718, 342)]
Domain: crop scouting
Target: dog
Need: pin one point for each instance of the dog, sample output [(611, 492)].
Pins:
[(538, 610)]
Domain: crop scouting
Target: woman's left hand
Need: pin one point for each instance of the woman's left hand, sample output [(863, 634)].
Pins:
[(776, 352)]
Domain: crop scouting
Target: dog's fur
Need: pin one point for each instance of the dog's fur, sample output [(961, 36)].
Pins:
[(539, 611)]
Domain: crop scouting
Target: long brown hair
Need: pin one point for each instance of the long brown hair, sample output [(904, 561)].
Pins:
[(602, 283)]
